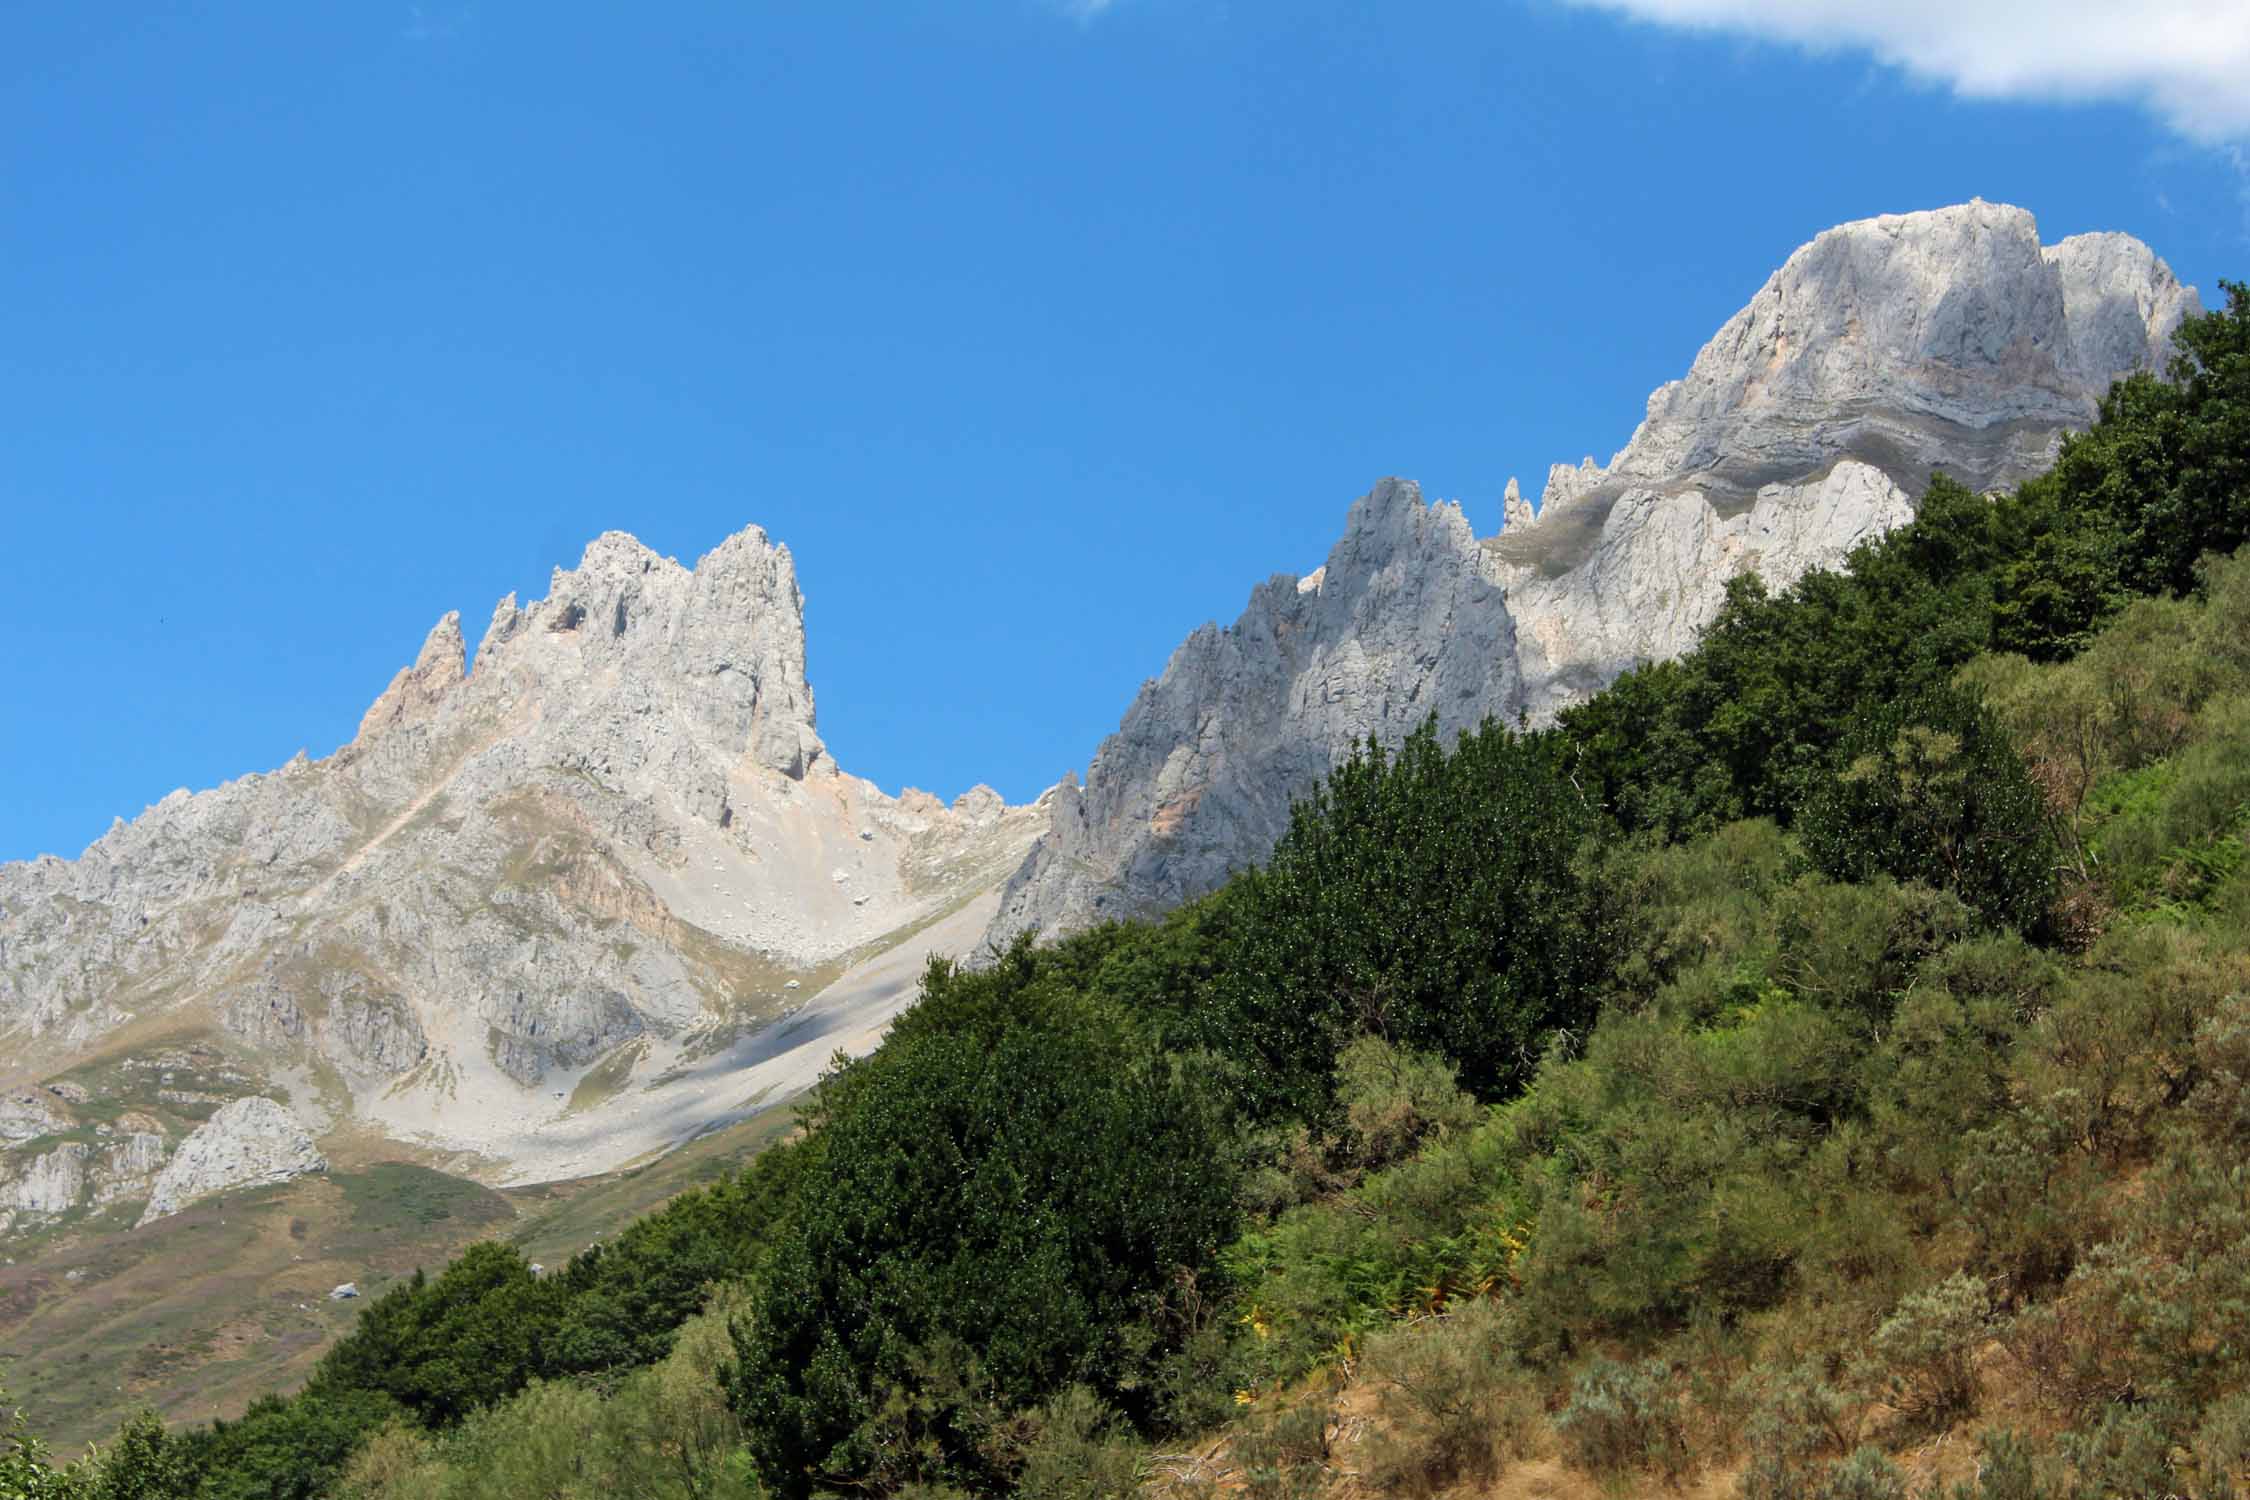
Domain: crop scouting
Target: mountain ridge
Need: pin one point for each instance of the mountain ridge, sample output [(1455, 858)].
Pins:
[(564, 902), (1879, 352), (612, 847)]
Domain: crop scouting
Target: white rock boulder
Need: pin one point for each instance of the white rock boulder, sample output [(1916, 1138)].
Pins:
[(249, 1143)]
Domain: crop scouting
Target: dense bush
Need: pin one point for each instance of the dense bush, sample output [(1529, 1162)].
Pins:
[(1000, 1199), (25, 1470), (1931, 789), (1452, 1403), (663, 1433), (1923, 1355), (1435, 898), (1624, 1420), (2168, 464)]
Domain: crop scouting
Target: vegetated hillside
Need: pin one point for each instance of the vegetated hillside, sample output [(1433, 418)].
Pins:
[(203, 1312), (1817, 1067)]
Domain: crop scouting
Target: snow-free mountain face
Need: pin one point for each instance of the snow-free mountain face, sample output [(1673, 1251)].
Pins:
[(1882, 352), (543, 915), (556, 911)]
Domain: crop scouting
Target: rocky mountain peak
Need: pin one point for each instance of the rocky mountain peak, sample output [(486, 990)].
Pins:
[(616, 841), (1878, 353), (722, 645), (1949, 335), (438, 667)]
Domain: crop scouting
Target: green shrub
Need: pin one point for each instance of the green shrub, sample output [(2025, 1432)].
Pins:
[(1015, 1173), (2222, 1445), (1283, 1451), (2010, 1467), (1434, 898), (1863, 1474), (2121, 1038), (1854, 949), (144, 1462), (26, 1472), (1940, 1074), (1452, 1405), (1081, 1451), (1922, 1358), (1393, 1100), (397, 1461), (1798, 1424), (2128, 1455), (2165, 461), (1625, 1419), (2070, 1348), (1930, 789), (286, 1449)]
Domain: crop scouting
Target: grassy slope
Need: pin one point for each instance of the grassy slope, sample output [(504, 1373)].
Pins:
[(200, 1313)]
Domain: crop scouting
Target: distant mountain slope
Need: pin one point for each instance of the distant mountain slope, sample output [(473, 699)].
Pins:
[(1880, 352), (537, 917)]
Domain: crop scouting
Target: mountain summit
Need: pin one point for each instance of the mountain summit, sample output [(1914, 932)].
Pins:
[(1882, 352), (540, 913)]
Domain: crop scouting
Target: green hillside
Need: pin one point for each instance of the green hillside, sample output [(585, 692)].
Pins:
[(1816, 1067)]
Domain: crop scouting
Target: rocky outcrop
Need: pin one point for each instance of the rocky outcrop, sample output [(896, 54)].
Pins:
[(1657, 569), (615, 839), (252, 1142), (27, 1114), (1406, 620), (38, 1186), (52, 1182), (1881, 352)]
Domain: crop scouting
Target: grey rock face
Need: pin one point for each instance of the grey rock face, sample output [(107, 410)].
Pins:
[(1405, 620), (27, 1114), (38, 1186), (1911, 341), (1656, 572), (249, 1143), (613, 841), (1881, 352), (52, 1182)]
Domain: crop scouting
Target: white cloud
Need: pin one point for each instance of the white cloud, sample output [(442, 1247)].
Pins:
[(2188, 60)]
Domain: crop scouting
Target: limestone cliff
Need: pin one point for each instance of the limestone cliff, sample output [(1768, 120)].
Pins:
[(530, 913), (1879, 353)]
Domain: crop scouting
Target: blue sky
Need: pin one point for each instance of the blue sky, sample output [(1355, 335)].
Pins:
[(1039, 332)]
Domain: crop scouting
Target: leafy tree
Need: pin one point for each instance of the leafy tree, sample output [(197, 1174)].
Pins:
[(144, 1463), (2168, 463), (284, 1448), (443, 1348), (1435, 899), (622, 1303), (1747, 724), (1933, 791), (1015, 1172), (25, 1473)]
